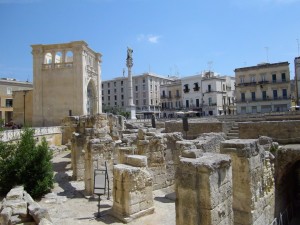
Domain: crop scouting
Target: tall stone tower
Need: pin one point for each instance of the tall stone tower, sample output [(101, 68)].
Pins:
[(66, 81)]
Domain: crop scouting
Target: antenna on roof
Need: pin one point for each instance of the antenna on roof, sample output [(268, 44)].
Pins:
[(267, 52)]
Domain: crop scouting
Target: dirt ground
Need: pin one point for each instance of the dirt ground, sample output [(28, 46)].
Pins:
[(68, 205)]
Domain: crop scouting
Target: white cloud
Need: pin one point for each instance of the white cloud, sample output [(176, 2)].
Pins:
[(154, 39)]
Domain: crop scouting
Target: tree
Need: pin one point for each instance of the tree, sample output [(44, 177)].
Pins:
[(26, 163)]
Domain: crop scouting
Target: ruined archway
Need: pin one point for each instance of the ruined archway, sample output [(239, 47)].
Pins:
[(287, 189), (91, 106)]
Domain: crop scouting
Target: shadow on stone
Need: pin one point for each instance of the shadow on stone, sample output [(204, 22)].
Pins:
[(163, 200)]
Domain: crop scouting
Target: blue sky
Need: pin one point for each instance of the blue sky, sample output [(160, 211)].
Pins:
[(168, 37)]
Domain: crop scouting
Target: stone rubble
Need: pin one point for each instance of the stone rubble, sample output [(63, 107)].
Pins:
[(19, 208)]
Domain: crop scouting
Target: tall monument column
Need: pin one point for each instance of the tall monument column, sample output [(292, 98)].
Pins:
[(129, 64)]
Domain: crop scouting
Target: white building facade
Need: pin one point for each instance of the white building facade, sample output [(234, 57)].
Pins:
[(146, 93), (209, 94)]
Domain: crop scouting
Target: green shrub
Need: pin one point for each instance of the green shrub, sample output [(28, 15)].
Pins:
[(26, 163)]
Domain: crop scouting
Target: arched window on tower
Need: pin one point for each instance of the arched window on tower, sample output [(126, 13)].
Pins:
[(58, 57), (69, 56), (48, 58)]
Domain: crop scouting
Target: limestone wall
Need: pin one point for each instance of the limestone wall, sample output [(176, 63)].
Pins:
[(203, 190), (195, 127), (132, 189), (253, 183), (283, 132)]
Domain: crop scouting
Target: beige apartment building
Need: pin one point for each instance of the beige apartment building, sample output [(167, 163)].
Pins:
[(66, 81), (263, 88), (146, 93), (171, 98), (7, 87)]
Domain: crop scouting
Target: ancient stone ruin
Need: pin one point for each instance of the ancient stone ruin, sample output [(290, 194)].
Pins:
[(216, 181)]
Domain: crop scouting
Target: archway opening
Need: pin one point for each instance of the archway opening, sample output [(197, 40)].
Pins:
[(91, 99), (288, 192)]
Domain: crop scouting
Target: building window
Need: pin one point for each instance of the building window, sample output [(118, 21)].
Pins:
[(151, 101), (115, 84), (242, 80), (108, 84), (137, 102), (115, 90), (177, 93), (102, 98), (275, 96), (155, 87), (136, 95), (223, 87), (209, 88), (122, 97), (264, 95), (274, 78), (209, 101), (115, 103), (144, 101), (170, 95), (283, 77), (122, 90), (253, 96), (115, 97), (121, 83), (253, 79), (136, 88), (196, 87), (122, 103), (243, 97), (197, 102), (187, 103), (263, 77), (108, 91), (186, 88), (9, 90), (108, 98), (9, 103), (284, 94), (102, 92), (102, 85), (144, 80)]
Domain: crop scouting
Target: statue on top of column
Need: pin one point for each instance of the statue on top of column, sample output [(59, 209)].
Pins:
[(129, 57)]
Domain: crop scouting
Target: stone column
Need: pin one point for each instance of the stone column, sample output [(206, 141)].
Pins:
[(129, 65), (253, 197), (132, 190), (203, 189)]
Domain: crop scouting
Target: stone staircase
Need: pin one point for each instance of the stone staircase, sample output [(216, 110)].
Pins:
[(234, 132)]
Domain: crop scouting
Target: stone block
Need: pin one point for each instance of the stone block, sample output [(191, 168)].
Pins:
[(45, 222), (15, 193), (192, 153), (5, 216), (17, 219), (19, 207), (37, 212), (136, 160)]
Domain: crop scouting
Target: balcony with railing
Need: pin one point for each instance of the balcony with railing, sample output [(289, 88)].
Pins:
[(186, 90), (267, 98)]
